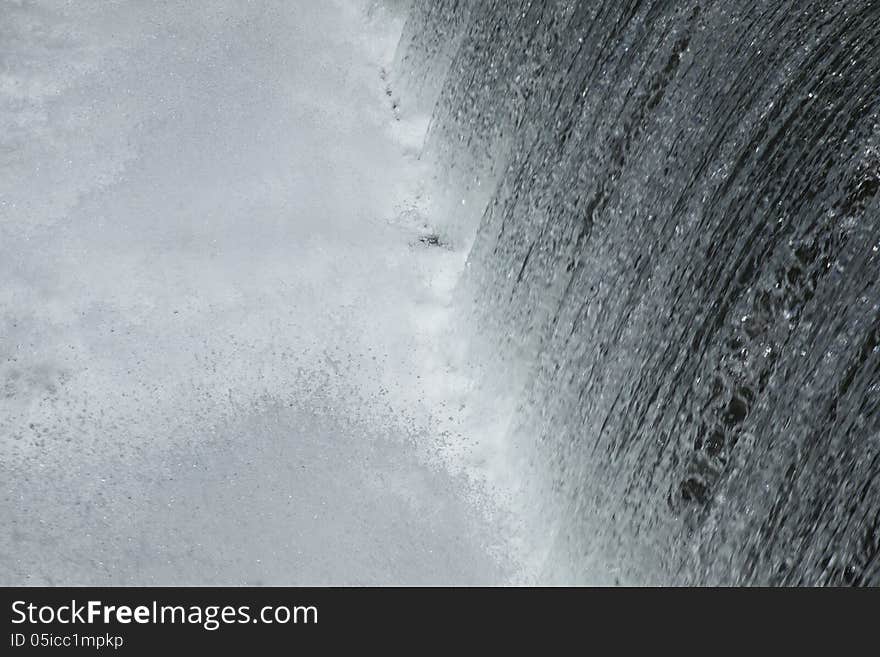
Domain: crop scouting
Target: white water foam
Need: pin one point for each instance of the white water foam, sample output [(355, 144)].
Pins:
[(229, 343)]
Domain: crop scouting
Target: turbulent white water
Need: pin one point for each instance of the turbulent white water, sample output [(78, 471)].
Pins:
[(226, 356)]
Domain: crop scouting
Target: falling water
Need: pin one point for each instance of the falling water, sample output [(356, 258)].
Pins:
[(676, 236)]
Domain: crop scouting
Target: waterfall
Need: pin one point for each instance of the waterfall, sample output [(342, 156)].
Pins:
[(675, 226)]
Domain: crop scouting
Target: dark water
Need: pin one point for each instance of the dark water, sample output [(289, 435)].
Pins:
[(679, 232)]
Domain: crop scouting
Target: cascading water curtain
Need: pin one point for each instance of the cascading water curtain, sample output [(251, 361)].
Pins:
[(682, 234)]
